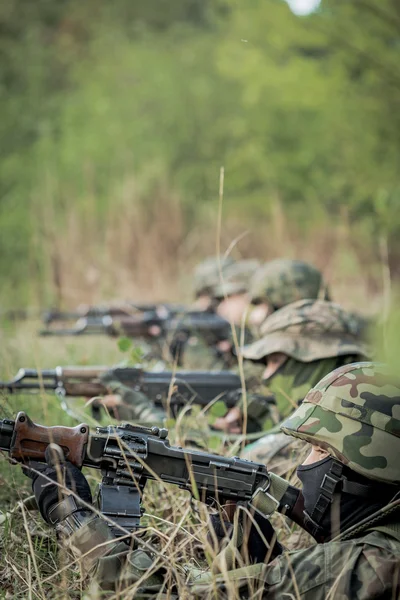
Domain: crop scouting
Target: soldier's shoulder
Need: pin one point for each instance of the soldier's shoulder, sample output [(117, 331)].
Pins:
[(361, 568), (384, 539)]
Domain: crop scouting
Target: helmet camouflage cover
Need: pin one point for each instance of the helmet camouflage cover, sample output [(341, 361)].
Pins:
[(308, 330), (282, 281), (354, 413), (207, 274), (236, 278)]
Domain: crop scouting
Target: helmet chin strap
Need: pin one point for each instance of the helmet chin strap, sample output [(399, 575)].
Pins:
[(333, 483)]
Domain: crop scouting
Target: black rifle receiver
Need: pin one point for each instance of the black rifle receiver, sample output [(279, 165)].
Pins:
[(129, 455)]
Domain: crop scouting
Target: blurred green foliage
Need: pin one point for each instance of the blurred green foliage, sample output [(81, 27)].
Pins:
[(96, 94)]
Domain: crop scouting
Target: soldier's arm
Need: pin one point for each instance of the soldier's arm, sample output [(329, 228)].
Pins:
[(111, 563), (261, 413), (64, 500), (354, 570), (132, 405)]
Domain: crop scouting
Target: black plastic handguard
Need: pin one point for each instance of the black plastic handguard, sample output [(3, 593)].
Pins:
[(182, 387)]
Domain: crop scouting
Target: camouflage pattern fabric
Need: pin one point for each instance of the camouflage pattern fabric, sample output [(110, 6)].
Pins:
[(112, 563), (289, 385), (360, 569), (354, 413), (207, 274), (292, 381), (133, 405), (260, 412), (198, 355), (236, 278), (138, 408), (207, 278), (308, 330), (282, 281)]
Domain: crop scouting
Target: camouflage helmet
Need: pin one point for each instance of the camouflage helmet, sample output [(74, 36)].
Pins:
[(207, 274), (282, 281), (354, 414), (309, 330), (236, 278)]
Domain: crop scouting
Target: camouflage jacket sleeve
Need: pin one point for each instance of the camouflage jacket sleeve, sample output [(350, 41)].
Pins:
[(361, 569), (136, 406), (261, 413), (111, 563), (198, 355)]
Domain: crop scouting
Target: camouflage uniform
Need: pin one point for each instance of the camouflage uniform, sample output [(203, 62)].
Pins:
[(354, 414), (317, 336), (236, 281), (279, 283), (276, 284), (283, 281), (133, 405), (236, 278), (360, 568), (207, 276), (136, 406)]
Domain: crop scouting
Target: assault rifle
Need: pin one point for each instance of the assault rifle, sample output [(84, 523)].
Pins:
[(129, 455), (141, 325), (125, 309), (181, 387), (175, 329)]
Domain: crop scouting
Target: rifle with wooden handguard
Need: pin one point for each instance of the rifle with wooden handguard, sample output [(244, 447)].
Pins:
[(129, 455), (123, 309), (175, 329), (180, 387), (142, 325), (139, 325)]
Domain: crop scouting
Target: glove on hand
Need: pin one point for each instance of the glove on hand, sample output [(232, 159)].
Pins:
[(65, 476), (220, 529), (262, 542)]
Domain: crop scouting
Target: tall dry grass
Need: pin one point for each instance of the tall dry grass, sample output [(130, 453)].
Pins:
[(145, 246), (144, 252)]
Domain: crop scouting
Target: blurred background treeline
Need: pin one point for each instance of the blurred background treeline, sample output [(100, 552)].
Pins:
[(116, 117)]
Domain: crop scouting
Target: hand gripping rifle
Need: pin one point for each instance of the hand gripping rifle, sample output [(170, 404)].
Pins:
[(129, 455), (179, 388)]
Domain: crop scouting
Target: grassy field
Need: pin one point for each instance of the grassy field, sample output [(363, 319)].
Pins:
[(32, 565), (117, 122)]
